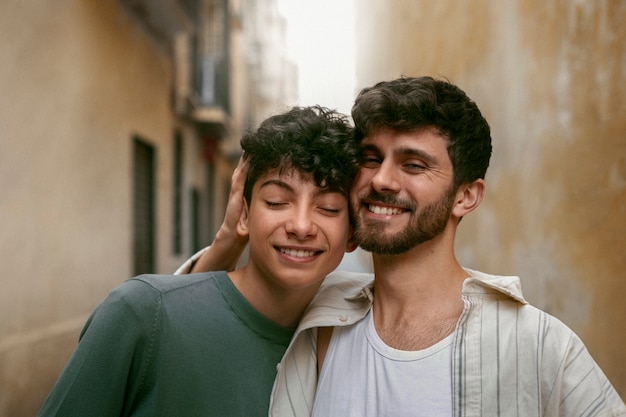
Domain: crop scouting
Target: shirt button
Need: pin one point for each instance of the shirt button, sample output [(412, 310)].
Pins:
[(343, 319)]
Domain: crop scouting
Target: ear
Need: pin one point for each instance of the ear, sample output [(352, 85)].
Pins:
[(468, 197), (351, 245), (242, 223)]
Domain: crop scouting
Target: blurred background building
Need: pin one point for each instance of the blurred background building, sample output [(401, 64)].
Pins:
[(120, 122)]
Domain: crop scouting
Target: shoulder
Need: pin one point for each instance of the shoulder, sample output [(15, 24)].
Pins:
[(145, 293), (345, 281), (501, 300), (480, 284), (167, 283), (343, 285), (343, 298)]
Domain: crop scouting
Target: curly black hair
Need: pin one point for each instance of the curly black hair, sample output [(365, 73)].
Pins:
[(410, 104), (313, 140)]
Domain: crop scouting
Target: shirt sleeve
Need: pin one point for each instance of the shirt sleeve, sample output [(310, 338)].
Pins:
[(582, 388), (106, 372), (185, 268)]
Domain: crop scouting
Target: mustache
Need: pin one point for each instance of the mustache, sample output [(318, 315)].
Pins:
[(389, 199)]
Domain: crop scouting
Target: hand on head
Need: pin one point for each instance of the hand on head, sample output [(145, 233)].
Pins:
[(228, 245)]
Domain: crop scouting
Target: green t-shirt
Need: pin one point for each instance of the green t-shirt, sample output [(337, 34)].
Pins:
[(173, 346)]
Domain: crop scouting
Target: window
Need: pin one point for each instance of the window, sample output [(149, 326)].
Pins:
[(177, 227), (143, 207), (210, 182), (196, 244)]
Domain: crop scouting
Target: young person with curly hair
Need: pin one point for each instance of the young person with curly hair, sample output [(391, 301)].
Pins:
[(209, 344)]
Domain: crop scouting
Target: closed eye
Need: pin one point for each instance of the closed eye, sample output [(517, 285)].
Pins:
[(370, 161), (274, 204), (414, 166)]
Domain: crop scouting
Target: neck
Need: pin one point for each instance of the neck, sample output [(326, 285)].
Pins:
[(423, 282), (283, 306)]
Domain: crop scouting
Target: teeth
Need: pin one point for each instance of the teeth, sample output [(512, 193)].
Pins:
[(385, 211), (298, 253)]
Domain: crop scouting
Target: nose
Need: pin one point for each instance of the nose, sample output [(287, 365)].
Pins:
[(385, 178), (301, 224)]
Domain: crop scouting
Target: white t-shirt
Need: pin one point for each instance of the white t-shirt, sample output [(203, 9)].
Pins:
[(362, 376)]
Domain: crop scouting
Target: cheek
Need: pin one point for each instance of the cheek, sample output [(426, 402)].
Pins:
[(337, 232), (363, 179), (262, 222)]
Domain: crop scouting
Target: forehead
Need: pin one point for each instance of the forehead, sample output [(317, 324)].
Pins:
[(287, 174), (291, 180), (428, 141)]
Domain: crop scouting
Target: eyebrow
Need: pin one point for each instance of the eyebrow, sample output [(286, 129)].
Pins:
[(319, 190), (278, 183)]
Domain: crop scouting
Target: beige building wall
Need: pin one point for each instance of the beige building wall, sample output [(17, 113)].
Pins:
[(550, 76), (77, 80)]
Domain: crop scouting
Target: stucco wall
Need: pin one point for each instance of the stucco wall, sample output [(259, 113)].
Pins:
[(551, 79), (77, 80)]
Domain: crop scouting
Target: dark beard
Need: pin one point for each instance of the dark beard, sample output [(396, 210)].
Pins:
[(424, 224)]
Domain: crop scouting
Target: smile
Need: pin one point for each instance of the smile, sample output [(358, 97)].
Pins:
[(297, 253), (384, 211)]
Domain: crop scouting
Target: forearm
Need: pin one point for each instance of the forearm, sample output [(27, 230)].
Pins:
[(223, 254)]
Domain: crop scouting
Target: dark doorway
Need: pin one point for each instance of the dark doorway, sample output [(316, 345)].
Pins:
[(143, 207)]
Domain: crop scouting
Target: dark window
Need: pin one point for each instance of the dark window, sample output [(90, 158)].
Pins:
[(177, 237), (210, 181), (195, 220), (143, 207)]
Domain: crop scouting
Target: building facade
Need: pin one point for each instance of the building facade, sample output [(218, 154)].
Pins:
[(120, 123)]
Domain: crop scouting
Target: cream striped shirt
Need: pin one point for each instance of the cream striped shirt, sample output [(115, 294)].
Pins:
[(509, 358)]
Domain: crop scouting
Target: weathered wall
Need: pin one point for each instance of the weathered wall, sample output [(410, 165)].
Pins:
[(77, 80), (551, 79)]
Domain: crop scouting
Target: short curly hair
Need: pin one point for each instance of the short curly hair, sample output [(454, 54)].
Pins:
[(314, 141)]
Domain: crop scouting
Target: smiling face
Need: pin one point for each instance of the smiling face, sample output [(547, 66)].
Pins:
[(404, 194), (298, 231)]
